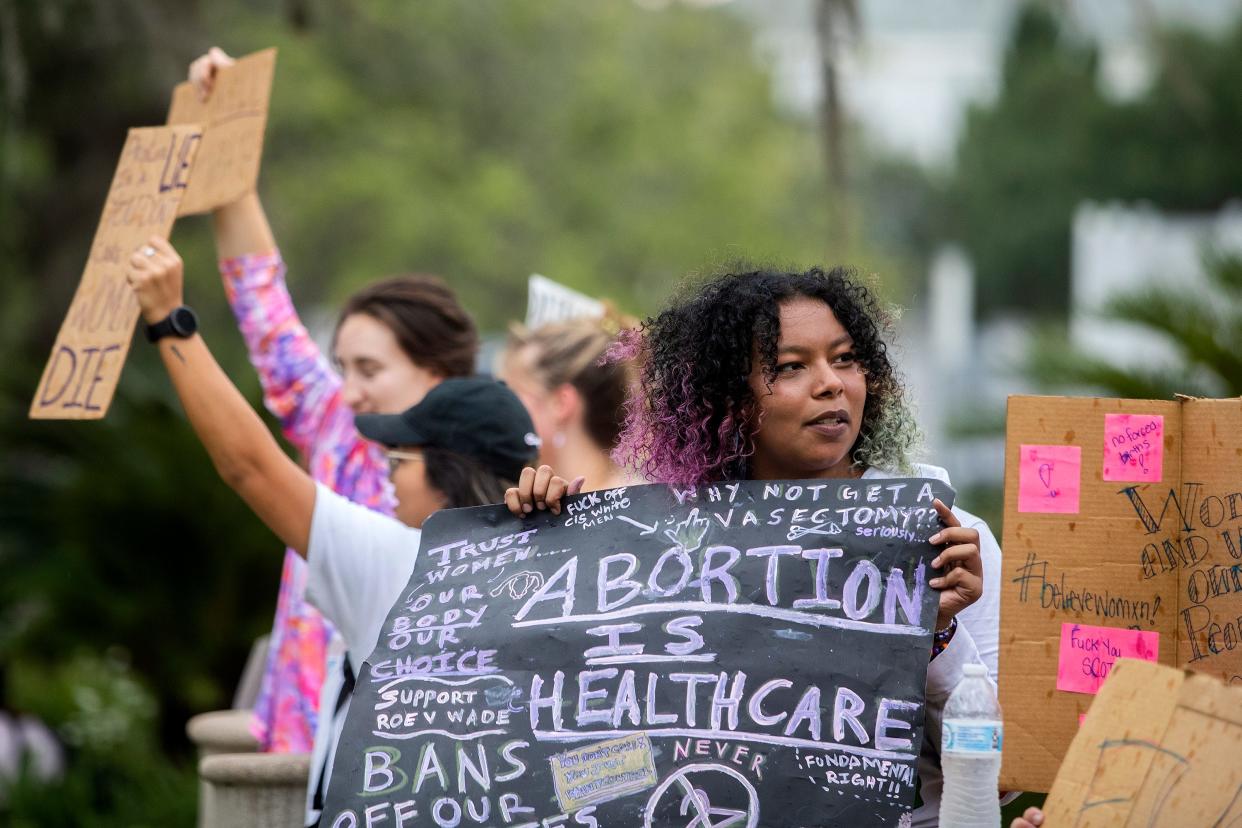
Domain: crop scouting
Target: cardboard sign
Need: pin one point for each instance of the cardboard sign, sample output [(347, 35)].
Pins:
[(749, 654), (549, 301), (85, 366), (233, 120), (1159, 747), (1161, 557)]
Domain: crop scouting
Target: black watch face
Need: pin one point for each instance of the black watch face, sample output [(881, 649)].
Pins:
[(183, 321)]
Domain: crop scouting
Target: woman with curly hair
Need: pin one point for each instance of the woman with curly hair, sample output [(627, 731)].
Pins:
[(767, 375)]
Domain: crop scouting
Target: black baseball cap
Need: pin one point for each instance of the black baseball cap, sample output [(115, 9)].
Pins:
[(478, 417)]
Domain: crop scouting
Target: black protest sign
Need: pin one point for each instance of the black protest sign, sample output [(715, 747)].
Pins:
[(749, 654)]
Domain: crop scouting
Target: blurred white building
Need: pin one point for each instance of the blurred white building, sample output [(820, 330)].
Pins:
[(1120, 248), (911, 69)]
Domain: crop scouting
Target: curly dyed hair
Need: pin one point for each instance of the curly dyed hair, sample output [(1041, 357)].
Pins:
[(695, 421)]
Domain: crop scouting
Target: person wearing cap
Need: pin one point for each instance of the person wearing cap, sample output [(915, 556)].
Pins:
[(466, 443), (474, 435)]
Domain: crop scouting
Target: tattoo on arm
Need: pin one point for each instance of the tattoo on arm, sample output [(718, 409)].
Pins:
[(178, 355)]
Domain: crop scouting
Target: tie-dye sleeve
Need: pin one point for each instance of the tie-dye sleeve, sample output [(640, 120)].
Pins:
[(299, 385)]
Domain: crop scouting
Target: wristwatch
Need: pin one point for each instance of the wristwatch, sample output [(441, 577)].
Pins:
[(182, 322)]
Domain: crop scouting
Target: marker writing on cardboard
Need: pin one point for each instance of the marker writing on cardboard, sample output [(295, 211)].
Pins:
[(97, 354), (1053, 592)]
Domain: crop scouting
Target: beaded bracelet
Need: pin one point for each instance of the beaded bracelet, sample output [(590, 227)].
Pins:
[(941, 638)]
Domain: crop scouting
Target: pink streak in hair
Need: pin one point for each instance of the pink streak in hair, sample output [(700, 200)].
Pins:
[(667, 435)]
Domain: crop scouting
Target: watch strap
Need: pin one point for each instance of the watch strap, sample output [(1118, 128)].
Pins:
[(168, 327), (160, 329)]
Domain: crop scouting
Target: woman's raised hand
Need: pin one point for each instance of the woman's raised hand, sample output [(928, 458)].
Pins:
[(155, 274), (204, 69), (540, 489), (962, 582)]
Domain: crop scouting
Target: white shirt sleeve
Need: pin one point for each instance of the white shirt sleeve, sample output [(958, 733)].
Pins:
[(978, 631), (360, 563), (982, 618), (977, 640)]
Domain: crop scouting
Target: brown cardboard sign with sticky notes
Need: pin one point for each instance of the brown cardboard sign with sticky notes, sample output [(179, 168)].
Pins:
[(1123, 537), (82, 373), (1159, 747), (234, 119)]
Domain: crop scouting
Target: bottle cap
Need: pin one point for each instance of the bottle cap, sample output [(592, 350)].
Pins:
[(974, 670)]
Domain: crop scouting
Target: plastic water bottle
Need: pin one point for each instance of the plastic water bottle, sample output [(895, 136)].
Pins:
[(970, 753)]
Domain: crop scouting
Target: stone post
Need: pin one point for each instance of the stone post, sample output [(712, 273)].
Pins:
[(254, 790)]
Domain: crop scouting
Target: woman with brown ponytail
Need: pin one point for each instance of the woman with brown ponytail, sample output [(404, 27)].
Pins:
[(576, 401)]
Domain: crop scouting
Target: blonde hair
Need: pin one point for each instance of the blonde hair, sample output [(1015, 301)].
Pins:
[(571, 353)]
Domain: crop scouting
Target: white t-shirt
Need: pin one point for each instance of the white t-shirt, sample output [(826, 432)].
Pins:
[(360, 562), (977, 640)]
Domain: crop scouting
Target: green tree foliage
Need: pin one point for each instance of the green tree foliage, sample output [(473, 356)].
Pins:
[(117, 776), (1050, 140), (1024, 163), (601, 144)]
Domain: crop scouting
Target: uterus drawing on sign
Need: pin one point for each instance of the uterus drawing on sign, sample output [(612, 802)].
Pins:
[(1049, 478), (1045, 477), (688, 534)]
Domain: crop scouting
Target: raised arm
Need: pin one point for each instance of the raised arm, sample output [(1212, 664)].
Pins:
[(242, 229), (244, 452), (299, 386)]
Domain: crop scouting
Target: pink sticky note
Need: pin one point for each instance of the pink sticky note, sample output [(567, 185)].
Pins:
[(1133, 447), (1049, 478), (1089, 653), (1082, 717)]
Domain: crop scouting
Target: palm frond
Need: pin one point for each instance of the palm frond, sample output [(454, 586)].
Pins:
[(1206, 331), (1225, 272), (1057, 366)]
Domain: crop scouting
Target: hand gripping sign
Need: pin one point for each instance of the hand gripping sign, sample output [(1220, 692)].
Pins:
[(234, 119)]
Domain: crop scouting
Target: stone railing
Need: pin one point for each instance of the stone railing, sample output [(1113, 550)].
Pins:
[(238, 787), (254, 790)]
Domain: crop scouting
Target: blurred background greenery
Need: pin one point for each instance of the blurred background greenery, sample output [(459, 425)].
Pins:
[(614, 146)]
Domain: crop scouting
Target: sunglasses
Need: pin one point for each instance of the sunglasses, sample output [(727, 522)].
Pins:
[(396, 457)]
